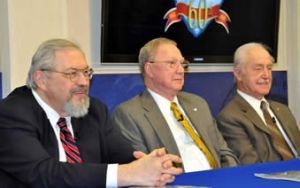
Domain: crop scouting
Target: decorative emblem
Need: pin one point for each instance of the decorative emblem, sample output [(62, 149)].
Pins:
[(197, 15)]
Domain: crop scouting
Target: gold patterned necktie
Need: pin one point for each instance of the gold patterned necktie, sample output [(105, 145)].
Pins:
[(185, 123), (278, 140)]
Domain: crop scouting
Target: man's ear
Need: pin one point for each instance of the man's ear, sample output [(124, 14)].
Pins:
[(237, 73), (39, 78), (148, 70)]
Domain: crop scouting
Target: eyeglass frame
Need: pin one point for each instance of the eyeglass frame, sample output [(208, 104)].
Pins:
[(174, 64), (74, 76)]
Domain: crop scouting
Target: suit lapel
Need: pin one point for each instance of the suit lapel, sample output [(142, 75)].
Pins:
[(193, 114), (158, 122), (84, 136), (251, 114), (192, 111), (281, 118), (49, 139), (284, 122)]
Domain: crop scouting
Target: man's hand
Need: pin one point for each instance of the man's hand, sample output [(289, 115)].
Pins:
[(154, 169)]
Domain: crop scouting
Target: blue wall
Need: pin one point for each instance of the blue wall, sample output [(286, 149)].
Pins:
[(216, 88)]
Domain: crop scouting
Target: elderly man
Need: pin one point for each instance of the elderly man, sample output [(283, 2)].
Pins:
[(54, 135), (164, 116), (257, 129)]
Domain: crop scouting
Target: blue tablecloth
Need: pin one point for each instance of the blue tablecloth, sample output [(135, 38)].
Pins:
[(241, 176)]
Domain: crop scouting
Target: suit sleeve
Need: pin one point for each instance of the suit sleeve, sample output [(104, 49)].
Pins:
[(215, 138), (237, 138), (129, 128), (119, 148), (227, 156)]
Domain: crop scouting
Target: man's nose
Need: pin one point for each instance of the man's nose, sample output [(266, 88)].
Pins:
[(83, 79), (267, 72), (180, 68)]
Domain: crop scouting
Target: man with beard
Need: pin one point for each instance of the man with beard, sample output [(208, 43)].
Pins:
[(257, 129), (165, 116), (54, 135)]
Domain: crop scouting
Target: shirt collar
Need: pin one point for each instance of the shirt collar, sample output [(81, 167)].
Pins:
[(254, 102), (52, 115), (161, 101)]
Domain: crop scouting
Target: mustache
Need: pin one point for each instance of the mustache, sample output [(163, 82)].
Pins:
[(264, 81), (80, 89)]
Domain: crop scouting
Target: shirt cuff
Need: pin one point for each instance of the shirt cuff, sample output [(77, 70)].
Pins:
[(112, 175)]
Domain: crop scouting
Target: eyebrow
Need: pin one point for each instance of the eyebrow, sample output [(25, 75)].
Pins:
[(72, 68)]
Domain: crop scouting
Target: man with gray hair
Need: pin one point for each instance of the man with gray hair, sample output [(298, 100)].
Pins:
[(54, 135), (165, 116), (257, 129)]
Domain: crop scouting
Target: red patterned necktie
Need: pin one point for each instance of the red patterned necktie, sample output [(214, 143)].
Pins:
[(68, 142)]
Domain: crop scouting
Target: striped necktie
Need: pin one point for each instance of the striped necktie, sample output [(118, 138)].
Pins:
[(199, 142), (278, 140), (68, 142)]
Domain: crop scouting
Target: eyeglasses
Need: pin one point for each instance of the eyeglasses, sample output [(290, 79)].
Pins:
[(74, 75), (175, 64)]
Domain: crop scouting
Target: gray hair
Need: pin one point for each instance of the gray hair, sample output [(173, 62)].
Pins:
[(241, 53), (44, 56), (148, 51)]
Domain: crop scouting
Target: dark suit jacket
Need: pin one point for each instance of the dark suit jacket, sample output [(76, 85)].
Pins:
[(248, 136), (144, 126), (29, 150)]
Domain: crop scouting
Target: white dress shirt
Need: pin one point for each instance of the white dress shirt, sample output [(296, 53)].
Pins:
[(193, 158), (255, 103), (53, 117)]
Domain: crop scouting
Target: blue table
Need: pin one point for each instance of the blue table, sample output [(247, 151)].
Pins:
[(241, 176)]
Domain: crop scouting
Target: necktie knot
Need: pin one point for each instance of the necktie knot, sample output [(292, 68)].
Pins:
[(263, 106), (178, 115), (62, 123)]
